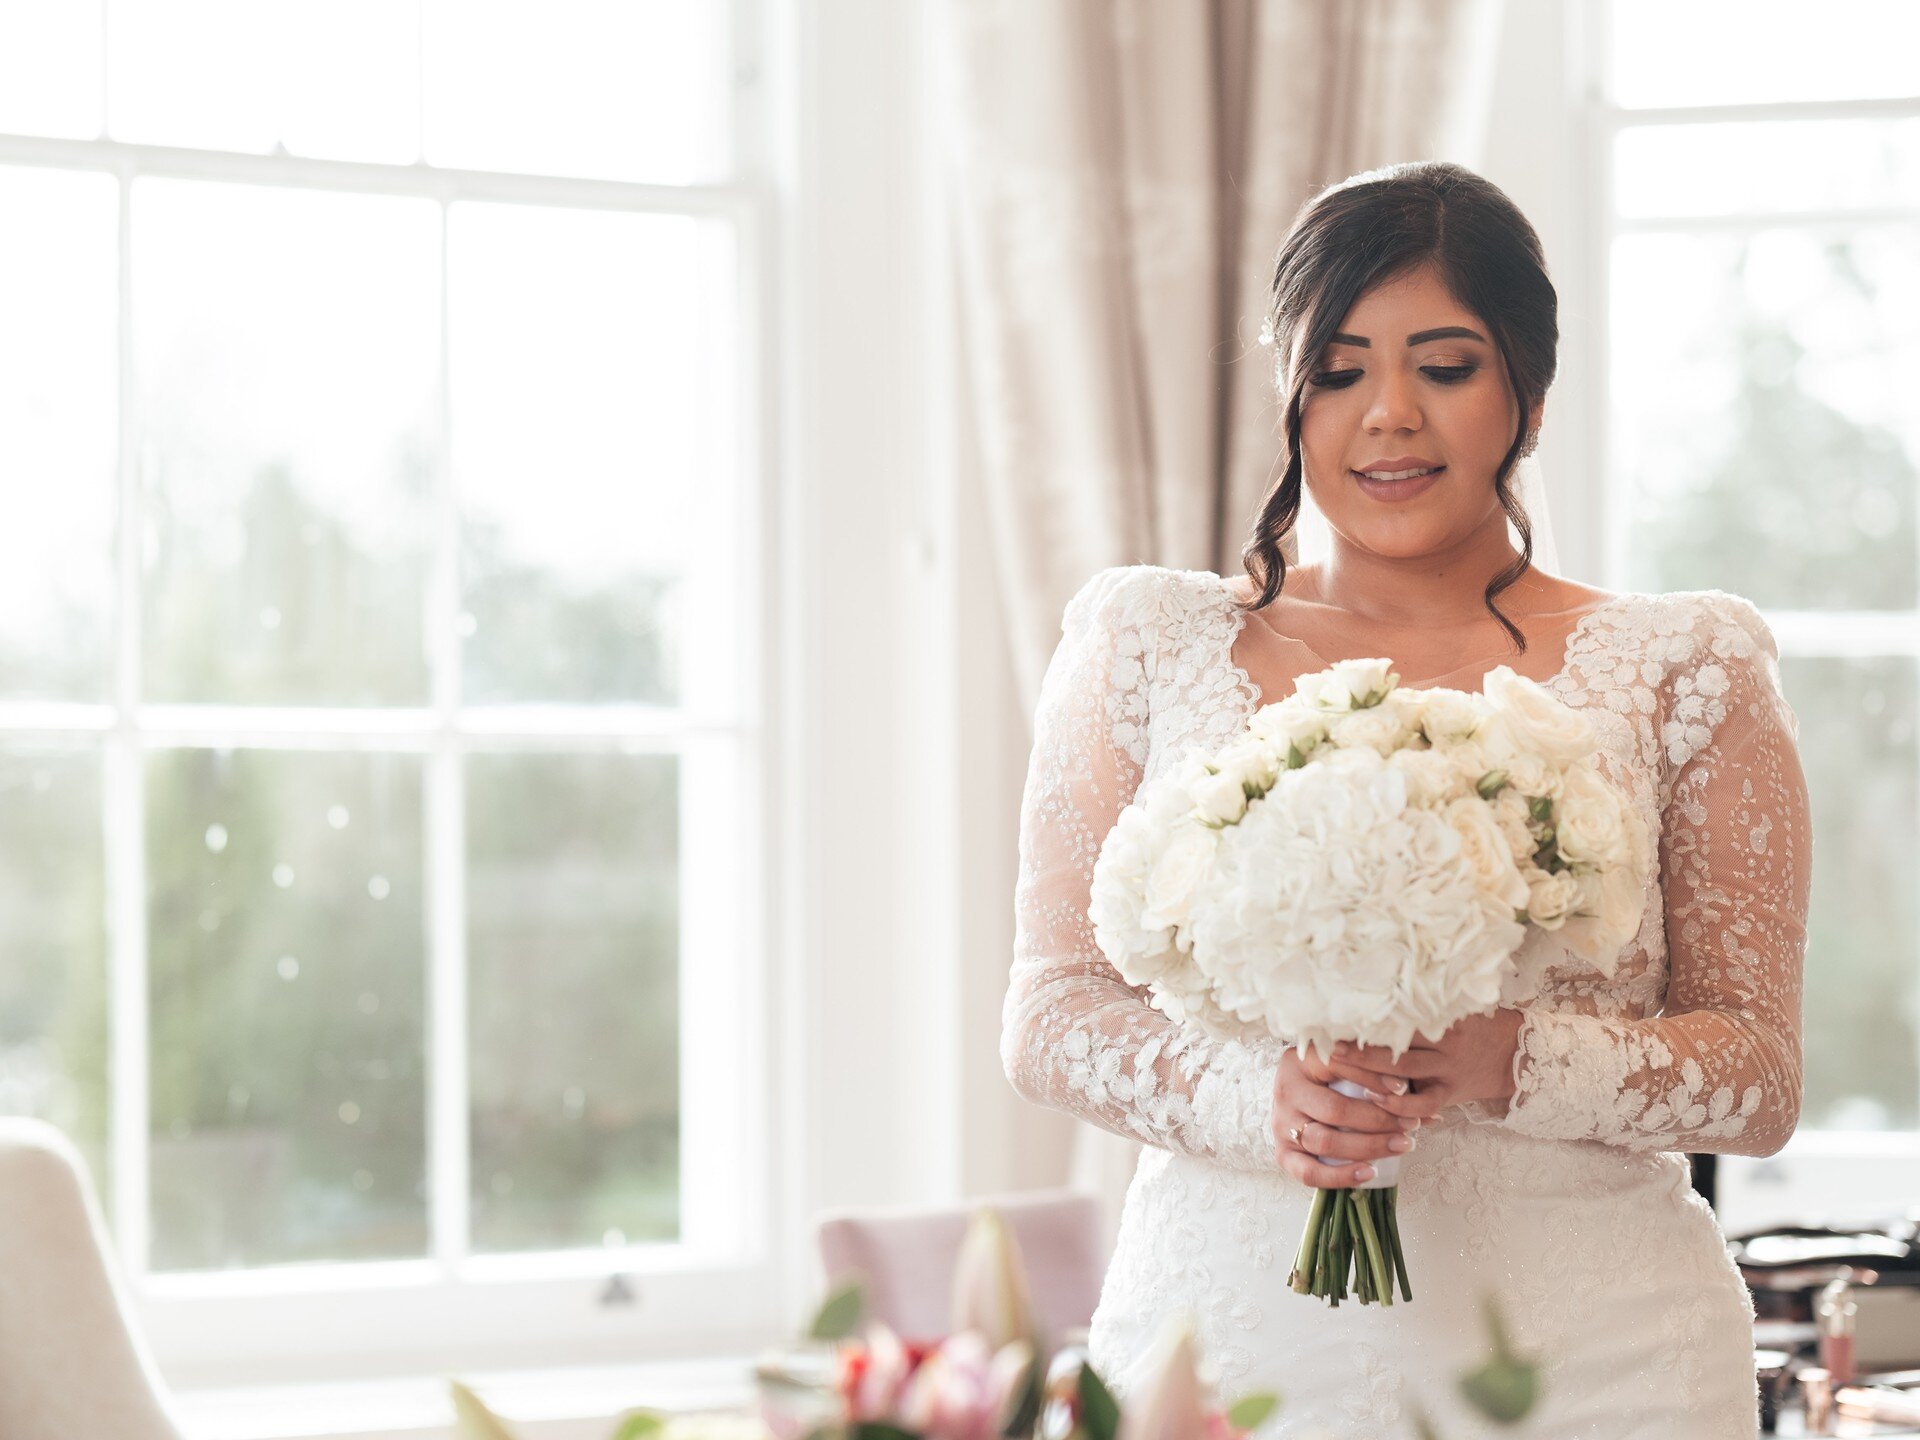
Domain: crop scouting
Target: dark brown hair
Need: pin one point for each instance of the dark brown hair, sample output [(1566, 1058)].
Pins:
[(1376, 227)]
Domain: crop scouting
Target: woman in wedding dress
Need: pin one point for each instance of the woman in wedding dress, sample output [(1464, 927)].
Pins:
[(1416, 329)]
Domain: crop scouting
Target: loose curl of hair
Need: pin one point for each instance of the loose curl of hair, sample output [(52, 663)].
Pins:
[(1376, 227)]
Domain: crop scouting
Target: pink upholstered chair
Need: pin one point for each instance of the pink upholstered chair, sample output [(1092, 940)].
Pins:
[(906, 1258), (71, 1361)]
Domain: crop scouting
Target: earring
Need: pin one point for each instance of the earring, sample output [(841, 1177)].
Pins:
[(1531, 444)]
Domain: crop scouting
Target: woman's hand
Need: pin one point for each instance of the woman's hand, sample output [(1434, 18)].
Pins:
[(1473, 1060), (1305, 1104)]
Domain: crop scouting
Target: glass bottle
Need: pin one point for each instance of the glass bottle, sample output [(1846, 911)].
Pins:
[(1835, 1311)]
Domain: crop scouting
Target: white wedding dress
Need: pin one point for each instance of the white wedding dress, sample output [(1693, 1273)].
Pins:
[(1571, 1202)]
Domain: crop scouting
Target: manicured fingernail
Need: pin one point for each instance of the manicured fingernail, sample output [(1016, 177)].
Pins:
[(1399, 1087), (1399, 1142), (1365, 1172)]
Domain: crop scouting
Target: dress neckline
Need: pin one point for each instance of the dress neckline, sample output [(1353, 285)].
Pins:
[(1256, 698)]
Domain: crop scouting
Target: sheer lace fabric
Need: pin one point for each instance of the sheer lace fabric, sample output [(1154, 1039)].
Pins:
[(1573, 1195), (1693, 1045)]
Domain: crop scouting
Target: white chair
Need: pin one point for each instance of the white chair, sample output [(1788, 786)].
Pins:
[(72, 1365)]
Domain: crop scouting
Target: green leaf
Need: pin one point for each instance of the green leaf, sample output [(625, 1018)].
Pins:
[(1423, 1427), (1099, 1412), (640, 1423), (1491, 784), (1541, 809), (839, 1313), (1251, 1410), (1505, 1388), (1294, 758), (473, 1419), (879, 1430)]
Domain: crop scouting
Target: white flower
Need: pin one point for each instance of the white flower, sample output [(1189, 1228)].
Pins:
[(1349, 685), (1430, 777), (1539, 724), (1376, 728), (1552, 898), (1448, 717), (1222, 797), (1289, 722), (1182, 865), (1511, 814), (1590, 821), (1487, 850)]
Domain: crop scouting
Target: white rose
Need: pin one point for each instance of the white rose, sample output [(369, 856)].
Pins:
[(1376, 729), (1590, 822), (1177, 874), (1487, 851), (1430, 778), (1539, 724), (1289, 723), (1349, 685), (1533, 776), (1511, 814), (1449, 717), (1222, 797), (1552, 898)]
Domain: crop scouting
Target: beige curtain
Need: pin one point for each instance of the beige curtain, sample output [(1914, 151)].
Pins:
[(1122, 173)]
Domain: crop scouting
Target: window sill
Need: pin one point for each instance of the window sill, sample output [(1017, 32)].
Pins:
[(570, 1403)]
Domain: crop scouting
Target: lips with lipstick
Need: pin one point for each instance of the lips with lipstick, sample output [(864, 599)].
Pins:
[(1400, 478)]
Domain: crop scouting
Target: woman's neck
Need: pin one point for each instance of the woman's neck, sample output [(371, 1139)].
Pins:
[(1422, 592)]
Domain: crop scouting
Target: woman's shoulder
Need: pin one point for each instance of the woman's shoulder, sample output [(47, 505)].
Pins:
[(1699, 625), (1134, 596)]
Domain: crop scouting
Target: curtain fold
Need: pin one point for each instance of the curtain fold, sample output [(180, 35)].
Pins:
[(1121, 175)]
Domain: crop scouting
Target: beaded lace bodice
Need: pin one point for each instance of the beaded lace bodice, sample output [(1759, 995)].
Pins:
[(1692, 1045)]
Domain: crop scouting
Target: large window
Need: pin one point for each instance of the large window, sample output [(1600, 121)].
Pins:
[(1760, 165), (377, 664)]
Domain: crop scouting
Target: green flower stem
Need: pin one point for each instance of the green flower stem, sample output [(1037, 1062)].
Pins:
[(1380, 1283), (1351, 1246), (1393, 1236), (1305, 1260)]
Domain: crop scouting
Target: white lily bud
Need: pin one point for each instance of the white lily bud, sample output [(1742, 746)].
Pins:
[(990, 1293)]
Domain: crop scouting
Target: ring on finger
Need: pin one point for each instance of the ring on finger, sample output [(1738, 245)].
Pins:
[(1293, 1134)]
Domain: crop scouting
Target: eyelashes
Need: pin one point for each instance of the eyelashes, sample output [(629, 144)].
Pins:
[(1341, 379)]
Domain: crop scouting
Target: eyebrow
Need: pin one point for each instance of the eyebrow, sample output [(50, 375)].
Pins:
[(1445, 332)]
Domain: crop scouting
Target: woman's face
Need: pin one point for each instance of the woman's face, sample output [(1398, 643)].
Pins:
[(1411, 380)]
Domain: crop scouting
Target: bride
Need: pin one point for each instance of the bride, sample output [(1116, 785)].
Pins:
[(1415, 337)]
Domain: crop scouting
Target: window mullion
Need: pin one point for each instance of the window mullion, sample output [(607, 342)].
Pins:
[(125, 808), (448, 1142)]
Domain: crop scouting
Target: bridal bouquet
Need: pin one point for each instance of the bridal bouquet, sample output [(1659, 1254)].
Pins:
[(1367, 863)]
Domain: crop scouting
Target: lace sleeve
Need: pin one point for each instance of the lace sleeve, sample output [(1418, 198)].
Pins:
[(1074, 1035), (1720, 1069)]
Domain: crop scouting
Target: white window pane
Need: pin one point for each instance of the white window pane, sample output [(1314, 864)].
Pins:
[(1772, 168), (286, 344), (603, 89), (59, 389), (582, 377), (53, 946), (331, 78), (573, 952), (1725, 52), (286, 918), (50, 68), (1859, 740), (1762, 413)]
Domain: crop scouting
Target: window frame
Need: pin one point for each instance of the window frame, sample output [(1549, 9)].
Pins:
[(1818, 1170), (727, 1284)]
